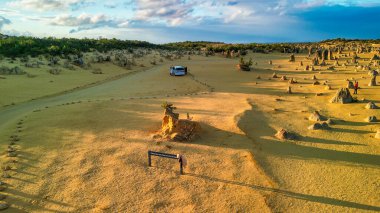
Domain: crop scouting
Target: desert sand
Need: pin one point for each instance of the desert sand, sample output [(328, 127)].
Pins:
[(85, 150)]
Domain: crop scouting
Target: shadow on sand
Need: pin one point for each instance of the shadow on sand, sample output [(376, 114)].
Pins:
[(293, 150), (311, 198)]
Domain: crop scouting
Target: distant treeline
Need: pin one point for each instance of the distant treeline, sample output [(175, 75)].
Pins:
[(263, 47), (12, 46), (345, 40), (223, 47)]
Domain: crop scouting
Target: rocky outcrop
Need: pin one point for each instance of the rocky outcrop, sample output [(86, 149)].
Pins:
[(292, 58), (317, 126), (285, 135), (315, 116), (373, 74), (342, 96), (173, 128), (371, 119), (371, 105)]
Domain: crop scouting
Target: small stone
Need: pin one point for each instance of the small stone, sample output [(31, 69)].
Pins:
[(315, 116), (2, 197), (371, 119), (315, 126), (371, 105), (285, 135)]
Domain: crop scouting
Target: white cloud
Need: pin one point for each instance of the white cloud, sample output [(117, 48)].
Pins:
[(87, 21), (172, 12), (48, 5), (8, 11), (310, 4), (203, 18)]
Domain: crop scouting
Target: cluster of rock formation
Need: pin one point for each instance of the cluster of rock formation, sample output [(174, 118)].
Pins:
[(175, 129), (331, 56)]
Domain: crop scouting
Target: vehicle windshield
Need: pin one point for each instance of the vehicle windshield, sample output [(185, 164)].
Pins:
[(179, 69)]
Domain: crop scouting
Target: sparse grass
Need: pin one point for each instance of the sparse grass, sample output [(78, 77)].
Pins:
[(50, 80)]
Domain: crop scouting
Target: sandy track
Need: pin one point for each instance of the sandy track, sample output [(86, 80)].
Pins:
[(118, 88)]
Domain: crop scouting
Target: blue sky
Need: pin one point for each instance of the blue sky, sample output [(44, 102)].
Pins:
[(160, 21)]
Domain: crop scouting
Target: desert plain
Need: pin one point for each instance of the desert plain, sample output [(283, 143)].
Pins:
[(77, 141)]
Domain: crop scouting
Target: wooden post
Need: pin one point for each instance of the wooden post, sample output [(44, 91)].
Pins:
[(180, 166), (149, 159)]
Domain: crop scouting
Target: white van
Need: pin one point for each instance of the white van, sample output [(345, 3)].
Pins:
[(178, 71)]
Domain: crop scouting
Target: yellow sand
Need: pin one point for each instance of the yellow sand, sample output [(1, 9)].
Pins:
[(90, 154)]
